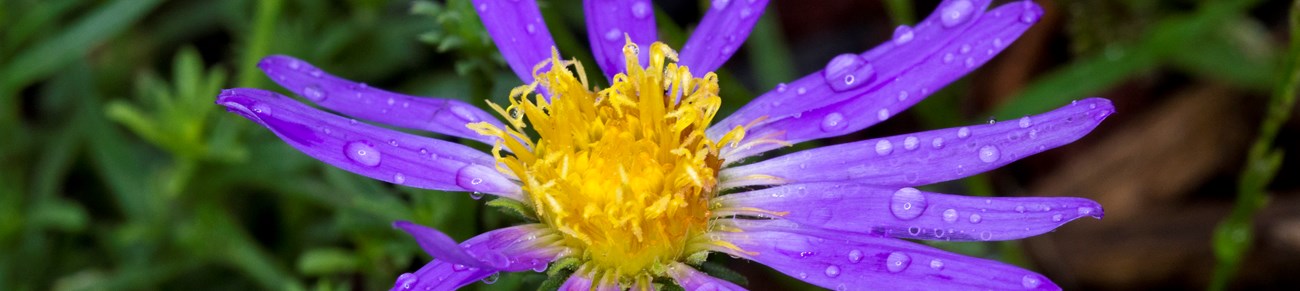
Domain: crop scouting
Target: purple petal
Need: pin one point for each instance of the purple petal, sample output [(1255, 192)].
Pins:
[(690, 279), (443, 247), (909, 213), (927, 157), (371, 151), (608, 21), (445, 116), (886, 80), (518, 30), (525, 247), (836, 260), (723, 29), (582, 281)]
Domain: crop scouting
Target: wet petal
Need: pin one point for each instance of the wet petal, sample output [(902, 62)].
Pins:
[(690, 279), (885, 80), (720, 33), (525, 247), (608, 21), (440, 115), (908, 212), (371, 151), (839, 261), (443, 247), (927, 157), (517, 28)]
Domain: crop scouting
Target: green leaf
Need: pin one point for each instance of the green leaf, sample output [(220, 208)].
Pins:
[(326, 261)]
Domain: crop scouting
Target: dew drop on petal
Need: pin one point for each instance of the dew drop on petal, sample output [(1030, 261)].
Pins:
[(1056, 217), (399, 178), (407, 281), (491, 278), (1085, 211), (882, 114), (833, 122), (950, 215), (884, 147), (530, 28), (848, 71), (903, 34), (963, 132), (314, 93), (613, 34), (1031, 15), (897, 262), (956, 13), (1020, 208), (947, 58), (362, 153), (986, 235), (989, 154), (832, 271), (975, 218), (476, 195), (936, 264), (1030, 281), (801, 91), (855, 256), (780, 88), (1025, 122), (937, 143), (907, 203), (911, 143), (902, 95), (640, 9)]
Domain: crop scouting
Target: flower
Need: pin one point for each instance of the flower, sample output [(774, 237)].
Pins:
[(634, 182)]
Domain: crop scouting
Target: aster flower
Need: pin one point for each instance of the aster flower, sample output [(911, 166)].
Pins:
[(635, 182)]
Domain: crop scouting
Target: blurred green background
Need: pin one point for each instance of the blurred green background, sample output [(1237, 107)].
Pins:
[(117, 171)]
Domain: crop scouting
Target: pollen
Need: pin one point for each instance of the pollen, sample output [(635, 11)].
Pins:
[(625, 173)]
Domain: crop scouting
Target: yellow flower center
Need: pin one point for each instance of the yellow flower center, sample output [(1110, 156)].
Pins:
[(625, 173)]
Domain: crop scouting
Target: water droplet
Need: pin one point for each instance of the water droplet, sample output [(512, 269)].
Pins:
[(937, 143), (1057, 217), (315, 72), (833, 122), (801, 91), (897, 262), (295, 64), (832, 271), (950, 215), (482, 7), (1025, 122), (720, 4), (989, 154), (780, 88), (902, 35), (803, 275), (1085, 211), (970, 63), (902, 95), (640, 9), (986, 235), (314, 93), (261, 108), (407, 281), (476, 195), (613, 34), (884, 147), (855, 256), (956, 13), (911, 143), (539, 267), (965, 48), (963, 132), (362, 153), (848, 71), (947, 58), (491, 278), (914, 231), (457, 267), (907, 203), (997, 42), (746, 12), (464, 114), (975, 218), (1029, 281), (1020, 208), (399, 179), (476, 181), (530, 28), (1031, 14), (882, 114)]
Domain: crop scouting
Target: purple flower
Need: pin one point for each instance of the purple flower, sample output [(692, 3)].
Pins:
[(635, 182)]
